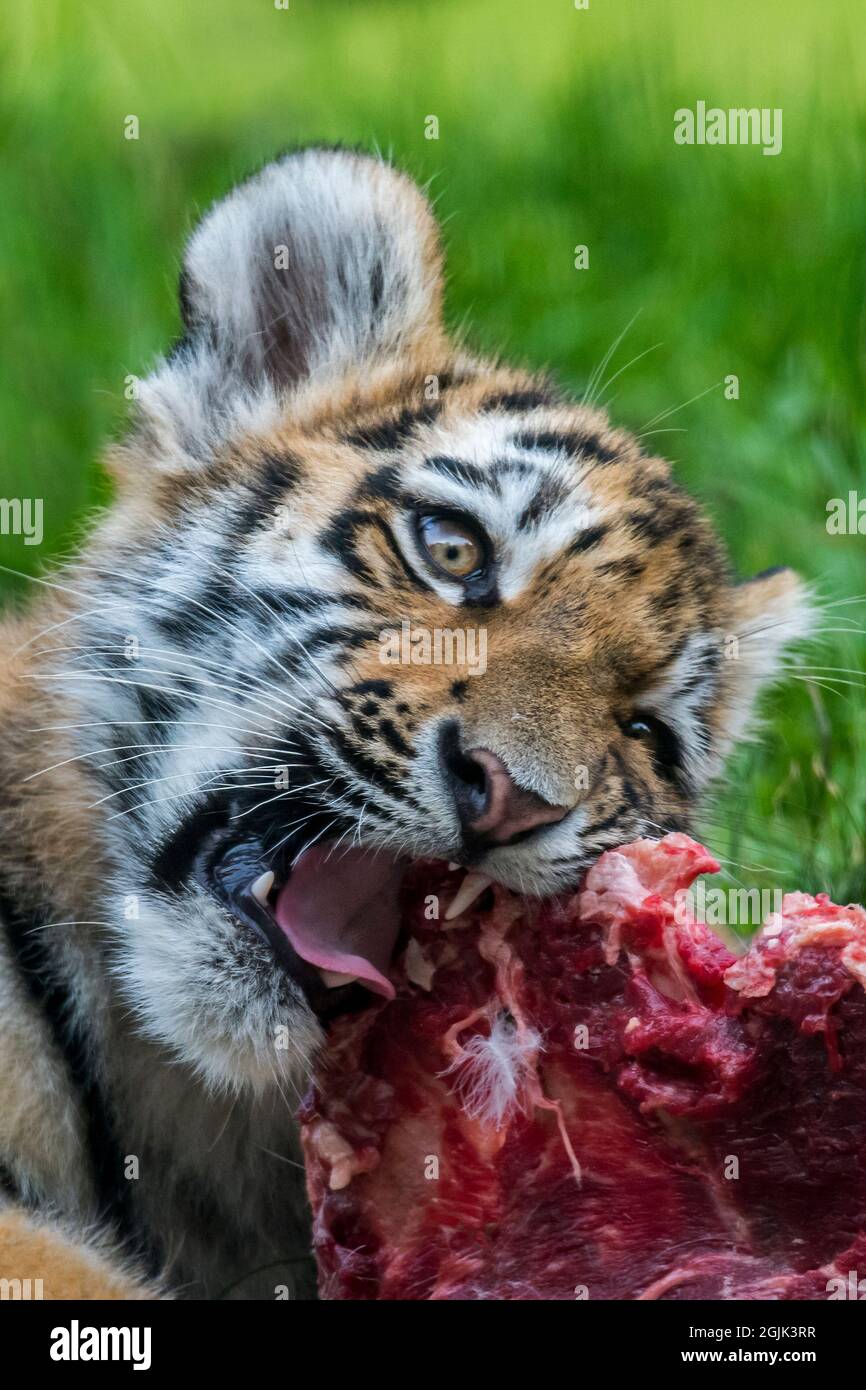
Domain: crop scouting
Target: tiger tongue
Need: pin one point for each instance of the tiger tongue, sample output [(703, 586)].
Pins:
[(340, 910)]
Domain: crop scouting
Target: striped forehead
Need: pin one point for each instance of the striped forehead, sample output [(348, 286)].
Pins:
[(524, 485)]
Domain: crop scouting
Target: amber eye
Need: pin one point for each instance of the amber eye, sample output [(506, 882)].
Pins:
[(454, 546)]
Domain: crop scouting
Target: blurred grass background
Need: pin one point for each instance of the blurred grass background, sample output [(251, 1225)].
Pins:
[(555, 128)]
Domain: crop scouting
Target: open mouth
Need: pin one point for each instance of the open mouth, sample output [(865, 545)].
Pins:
[(331, 913), (331, 917)]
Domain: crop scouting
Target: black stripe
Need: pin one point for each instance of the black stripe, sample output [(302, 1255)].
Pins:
[(341, 790), (627, 568), (566, 441), (9, 1185), (319, 639), (369, 770), (276, 478), (289, 603), (652, 526), (384, 484), (549, 495), (113, 1191), (627, 786), (587, 539), (390, 434), (517, 400), (671, 598), (605, 824), (341, 539), (462, 471), (382, 688), (516, 468), (394, 738)]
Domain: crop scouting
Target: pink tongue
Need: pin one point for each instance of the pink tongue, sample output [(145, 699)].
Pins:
[(340, 911)]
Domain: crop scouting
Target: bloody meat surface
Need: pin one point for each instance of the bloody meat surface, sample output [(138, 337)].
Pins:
[(593, 1097)]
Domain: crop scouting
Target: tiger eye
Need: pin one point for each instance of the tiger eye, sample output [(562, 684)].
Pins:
[(454, 548)]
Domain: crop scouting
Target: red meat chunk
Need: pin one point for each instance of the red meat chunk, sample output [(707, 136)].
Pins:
[(593, 1097)]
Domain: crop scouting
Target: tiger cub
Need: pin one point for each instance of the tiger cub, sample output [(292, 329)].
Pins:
[(361, 597)]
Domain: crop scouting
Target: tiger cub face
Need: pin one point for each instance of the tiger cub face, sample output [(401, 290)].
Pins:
[(363, 599)]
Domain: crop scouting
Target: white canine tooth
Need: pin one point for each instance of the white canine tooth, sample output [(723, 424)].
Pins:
[(419, 969), (262, 887), (453, 865), (333, 978), (472, 887)]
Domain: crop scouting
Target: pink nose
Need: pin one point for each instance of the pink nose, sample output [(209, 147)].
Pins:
[(491, 804)]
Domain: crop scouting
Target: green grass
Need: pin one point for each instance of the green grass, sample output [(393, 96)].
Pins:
[(555, 129)]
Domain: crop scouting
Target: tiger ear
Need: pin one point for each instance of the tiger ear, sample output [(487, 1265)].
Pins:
[(769, 614), (326, 261)]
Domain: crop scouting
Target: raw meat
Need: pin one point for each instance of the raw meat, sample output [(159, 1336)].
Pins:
[(593, 1097)]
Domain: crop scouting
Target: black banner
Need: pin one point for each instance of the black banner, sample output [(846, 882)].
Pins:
[(232, 1338)]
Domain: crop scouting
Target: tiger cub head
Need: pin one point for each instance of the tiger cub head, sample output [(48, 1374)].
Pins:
[(364, 598)]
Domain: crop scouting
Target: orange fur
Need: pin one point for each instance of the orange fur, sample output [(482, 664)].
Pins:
[(60, 1266)]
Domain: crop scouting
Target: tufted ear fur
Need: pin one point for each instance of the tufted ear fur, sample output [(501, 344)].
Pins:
[(325, 262), (769, 614)]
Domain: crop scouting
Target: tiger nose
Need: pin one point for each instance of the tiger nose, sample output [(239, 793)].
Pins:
[(489, 801)]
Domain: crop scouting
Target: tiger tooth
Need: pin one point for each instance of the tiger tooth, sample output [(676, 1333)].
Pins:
[(333, 978), (471, 888), (262, 887), (453, 865)]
